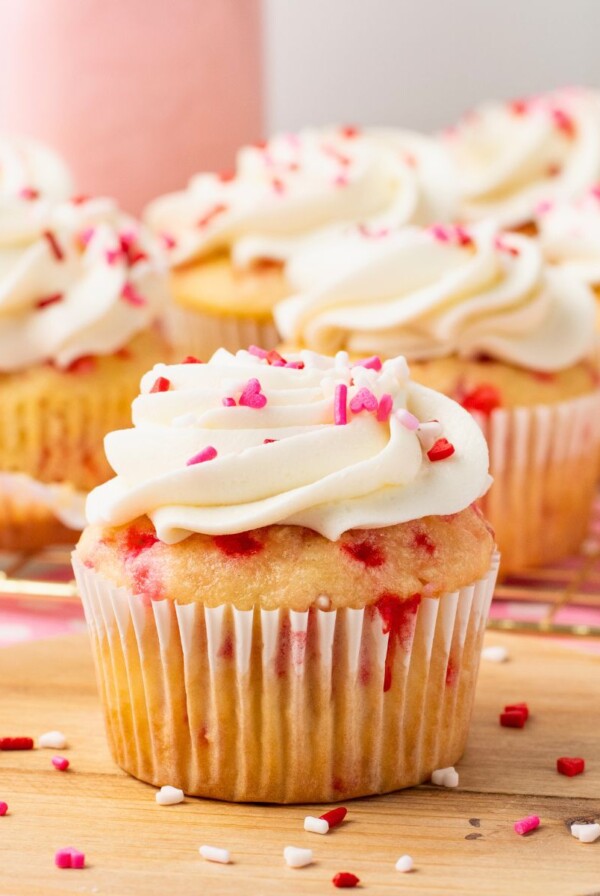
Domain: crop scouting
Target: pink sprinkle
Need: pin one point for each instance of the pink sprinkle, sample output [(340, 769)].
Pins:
[(278, 185), (3, 808), (373, 363), (595, 192), (77, 859), (60, 763), (340, 399), (527, 824), (169, 241), (131, 295), (229, 402), (113, 255), (258, 352), (252, 397), (67, 857), (542, 208), (294, 365), (440, 233), (463, 238), (86, 235), (208, 453), (341, 180), (29, 193), (408, 420), (372, 232), (364, 399), (385, 408)]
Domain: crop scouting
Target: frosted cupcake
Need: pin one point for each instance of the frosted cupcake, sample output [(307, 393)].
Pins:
[(484, 320), (230, 235), (286, 584), (78, 303), (511, 156)]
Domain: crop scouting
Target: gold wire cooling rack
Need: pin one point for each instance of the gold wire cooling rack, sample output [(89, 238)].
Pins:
[(563, 599)]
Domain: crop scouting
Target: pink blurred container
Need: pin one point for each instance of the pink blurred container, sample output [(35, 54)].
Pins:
[(136, 95)]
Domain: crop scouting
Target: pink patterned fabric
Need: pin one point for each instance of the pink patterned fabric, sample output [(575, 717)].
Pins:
[(136, 95)]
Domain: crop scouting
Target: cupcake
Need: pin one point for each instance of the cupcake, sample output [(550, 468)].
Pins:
[(230, 235), (511, 156), (484, 320), (78, 305), (286, 583)]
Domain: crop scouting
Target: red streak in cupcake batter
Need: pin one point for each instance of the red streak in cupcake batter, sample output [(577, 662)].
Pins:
[(243, 544), (365, 552)]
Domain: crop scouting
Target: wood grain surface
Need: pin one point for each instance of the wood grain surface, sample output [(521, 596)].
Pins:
[(462, 841)]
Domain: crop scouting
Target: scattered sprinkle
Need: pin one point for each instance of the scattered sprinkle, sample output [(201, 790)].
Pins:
[(29, 193), (344, 879), (518, 707), (208, 453), (428, 433), (211, 214), (408, 420), (495, 654), (513, 719), (228, 402), (525, 825), (60, 763), (363, 400), (191, 359), (252, 396), (169, 796), (373, 363), (52, 740), (405, 864), (334, 816), (54, 245), (16, 743), (162, 384), (386, 403), (131, 295), (296, 857), (67, 857), (316, 825), (445, 777), (340, 401), (586, 833), (215, 854), (3, 808), (440, 450), (483, 399), (49, 300), (570, 766), (258, 352)]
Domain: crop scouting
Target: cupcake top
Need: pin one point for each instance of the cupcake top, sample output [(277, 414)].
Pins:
[(85, 286), (569, 233), (435, 292), (510, 156), (284, 190), (250, 440)]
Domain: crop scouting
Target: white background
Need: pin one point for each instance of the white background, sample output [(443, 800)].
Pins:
[(419, 63)]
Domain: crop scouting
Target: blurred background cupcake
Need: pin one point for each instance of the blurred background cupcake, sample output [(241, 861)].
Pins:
[(80, 294), (484, 320), (286, 585), (510, 156), (229, 235)]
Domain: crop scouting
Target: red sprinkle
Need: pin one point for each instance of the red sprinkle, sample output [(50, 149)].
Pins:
[(79, 199), (208, 453), (513, 719), (570, 766), (440, 450), (275, 359), (162, 384), (344, 879), (131, 295), (228, 402), (242, 544), (484, 399), (334, 816), (349, 131), (4, 808), (211, 214), (83, 364), (55, 246), (518, 707), (269, 441), (340, 401), (60, 763), (226, 176), (169, 241), (16, 743), (50, 300), (191, 359), (29, 193), (518, 107), (525, 825), (564, 122)]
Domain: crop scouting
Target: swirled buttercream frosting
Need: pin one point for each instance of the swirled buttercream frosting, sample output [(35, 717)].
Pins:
[(569, 233), (250, 440)]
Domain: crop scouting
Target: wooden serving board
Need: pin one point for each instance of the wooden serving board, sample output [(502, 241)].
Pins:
[(462, 841)]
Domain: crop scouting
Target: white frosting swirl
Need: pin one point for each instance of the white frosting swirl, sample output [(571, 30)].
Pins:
[(297, 184), (32, 179), (511, 156), (569, 233), (436, 292), (331, 478), (85, 287)]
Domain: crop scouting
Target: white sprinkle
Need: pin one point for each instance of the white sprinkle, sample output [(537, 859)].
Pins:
[(323, 602), (316, 825), (428, 434), (495, 653), (575, 828), (445, 777), (586, 833), (184, 420), (296, 857), (168, 796), (52, 740), (404, 864), (342, 359), (215, 854)]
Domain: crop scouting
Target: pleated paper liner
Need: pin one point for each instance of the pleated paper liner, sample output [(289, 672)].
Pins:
[(544, 461), (282, 706), (200, 333)]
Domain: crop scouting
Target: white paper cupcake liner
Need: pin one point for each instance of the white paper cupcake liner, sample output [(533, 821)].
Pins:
[(201, 334), (544, 462), (284, 706)]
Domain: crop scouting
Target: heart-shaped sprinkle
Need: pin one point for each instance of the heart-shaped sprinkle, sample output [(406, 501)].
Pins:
[(251, 396)]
